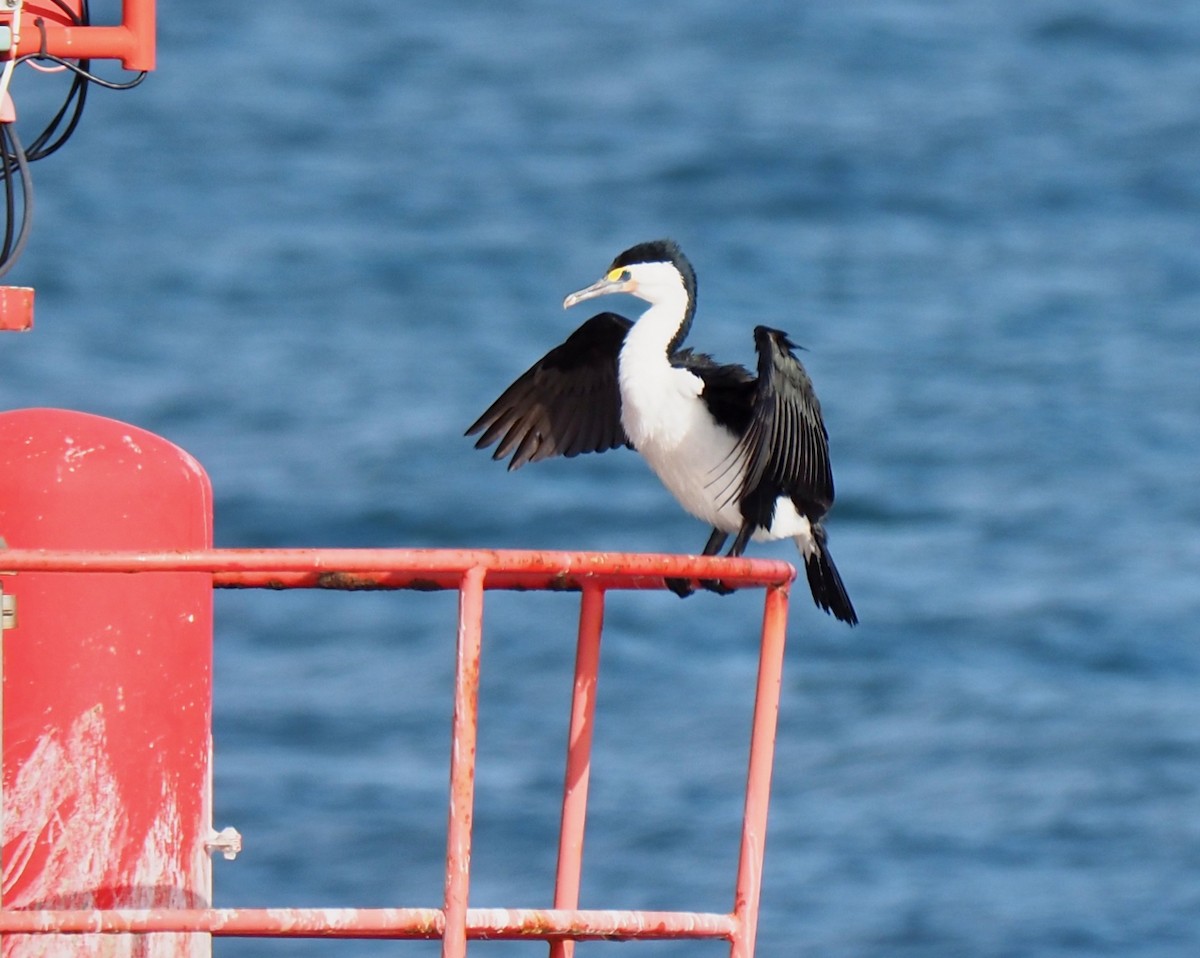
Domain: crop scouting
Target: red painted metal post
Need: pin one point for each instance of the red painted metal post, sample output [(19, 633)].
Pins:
[(138, 17), (462, 762), (758, 778), (579, 760), (107, 682)]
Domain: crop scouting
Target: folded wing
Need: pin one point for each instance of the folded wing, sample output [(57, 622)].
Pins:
[(786, 446)]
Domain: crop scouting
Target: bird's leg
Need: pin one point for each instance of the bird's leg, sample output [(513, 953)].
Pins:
[(714, 543), (735, 550), (743, 538), (683, 588)]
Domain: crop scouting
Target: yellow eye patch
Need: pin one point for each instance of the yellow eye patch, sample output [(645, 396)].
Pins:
[(617, 275)]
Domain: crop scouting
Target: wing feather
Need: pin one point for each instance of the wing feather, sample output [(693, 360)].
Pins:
[(785, 444), (567, 403)]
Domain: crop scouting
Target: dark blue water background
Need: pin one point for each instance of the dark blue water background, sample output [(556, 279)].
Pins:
[(321, 238)]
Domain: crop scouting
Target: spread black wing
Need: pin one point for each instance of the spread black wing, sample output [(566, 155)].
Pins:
[(785, 448), (567, 403)]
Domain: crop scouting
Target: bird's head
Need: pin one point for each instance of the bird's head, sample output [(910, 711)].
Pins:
[(657, 272)]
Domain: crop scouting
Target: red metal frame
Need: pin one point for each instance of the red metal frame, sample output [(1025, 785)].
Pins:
[(131, 41), (16, 308), (472, 573), (46, 28)]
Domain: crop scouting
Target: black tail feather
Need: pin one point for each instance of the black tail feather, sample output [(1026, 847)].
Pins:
[(827, 589)]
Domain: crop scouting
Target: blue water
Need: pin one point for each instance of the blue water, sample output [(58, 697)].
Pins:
[(319, 240)]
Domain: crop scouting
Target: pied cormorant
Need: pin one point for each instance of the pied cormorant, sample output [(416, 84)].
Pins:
[(749, 455)]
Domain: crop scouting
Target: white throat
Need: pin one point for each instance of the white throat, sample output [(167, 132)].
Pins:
[(667, 421)]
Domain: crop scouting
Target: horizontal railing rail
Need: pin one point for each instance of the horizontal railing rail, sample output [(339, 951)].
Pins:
[(411, 568), (494, 923)]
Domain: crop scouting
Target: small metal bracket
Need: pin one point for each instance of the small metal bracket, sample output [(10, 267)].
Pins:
[(16, 302), (11, 11), (228, 841), (8, 611), (8, 602)]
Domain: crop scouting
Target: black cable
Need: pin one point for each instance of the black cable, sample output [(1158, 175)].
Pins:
[(12, 152), (9, 207), (75, 100), (81, 71), (15, 159), (78, 19), (50, 139), (76, 95)]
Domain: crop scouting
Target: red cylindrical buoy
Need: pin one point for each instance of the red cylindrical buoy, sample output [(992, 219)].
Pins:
[(107, 694)]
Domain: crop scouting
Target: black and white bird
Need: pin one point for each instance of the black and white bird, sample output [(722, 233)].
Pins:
[(749, 455)]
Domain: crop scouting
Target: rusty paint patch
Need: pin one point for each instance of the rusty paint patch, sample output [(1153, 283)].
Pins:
[(275, 585), (348, 582)]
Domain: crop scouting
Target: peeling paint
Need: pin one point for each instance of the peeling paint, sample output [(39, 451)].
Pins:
[(67, 846), (47, 805), (76, 454)]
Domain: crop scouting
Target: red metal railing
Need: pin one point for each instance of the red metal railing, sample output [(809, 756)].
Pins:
[(472, 573)]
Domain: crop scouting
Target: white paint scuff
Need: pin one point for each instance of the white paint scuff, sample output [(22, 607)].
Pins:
[(65, 836)]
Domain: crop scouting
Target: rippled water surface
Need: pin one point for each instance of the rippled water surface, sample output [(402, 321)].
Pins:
[(317, 242)]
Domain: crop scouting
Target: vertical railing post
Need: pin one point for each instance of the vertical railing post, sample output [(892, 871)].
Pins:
[(758, 778), (579, 759), (138, 19), (462, 763)]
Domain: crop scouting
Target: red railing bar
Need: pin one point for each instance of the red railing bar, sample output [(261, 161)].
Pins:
[(497, 923), (85, 43), (758, 777), (407, 568), (579, 760), (462, 763), (435, 581)]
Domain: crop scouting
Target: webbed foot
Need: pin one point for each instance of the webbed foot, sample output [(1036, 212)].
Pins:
[(681, 587)]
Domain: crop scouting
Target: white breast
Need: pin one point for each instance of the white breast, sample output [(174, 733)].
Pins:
[(668, 423), (670, 426)]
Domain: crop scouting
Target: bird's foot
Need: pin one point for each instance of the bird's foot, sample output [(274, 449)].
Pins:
[(681, 587), (717, 586)]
